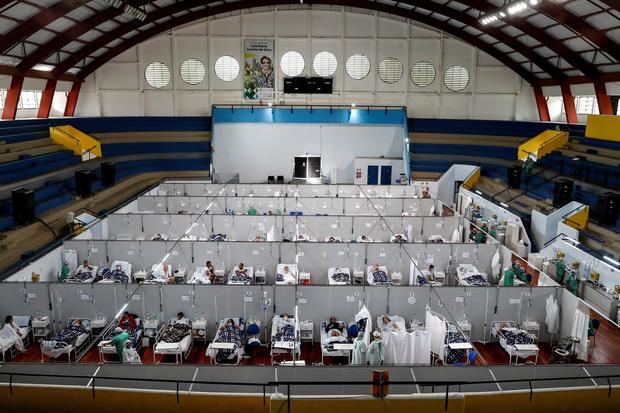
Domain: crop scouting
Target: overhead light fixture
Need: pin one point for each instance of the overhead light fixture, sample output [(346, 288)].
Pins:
[(611, 260), (504, 205), (129, 10), (478, 192), (353, 104), (509, 9)]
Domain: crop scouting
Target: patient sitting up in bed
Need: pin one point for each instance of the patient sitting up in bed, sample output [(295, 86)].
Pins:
[(230, 324), (332, 239), (334, 328), (157, 237), (398, 239), (241, 271), (167, 274), (287, 276), (127, 321), (387, 324), (181, 319), (209, 272), (431, 273), (364, 238), (85, 267), (117, 274)]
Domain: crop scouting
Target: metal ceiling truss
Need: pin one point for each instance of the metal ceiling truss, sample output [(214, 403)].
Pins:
[(162, 18)]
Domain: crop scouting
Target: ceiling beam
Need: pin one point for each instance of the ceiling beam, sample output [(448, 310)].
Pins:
[(37, 22), (579, 80), (37, 74), (543, 38), (228, 7), (502, 37), (580, 26), (66, 37)]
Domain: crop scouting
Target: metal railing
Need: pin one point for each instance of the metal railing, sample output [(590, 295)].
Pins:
[(271, 385)]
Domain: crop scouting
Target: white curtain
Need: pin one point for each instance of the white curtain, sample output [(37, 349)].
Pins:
[(552, 316), (437, 327), (407, 348), (580, 330), (456, 235), (495, 264), (364, 313)]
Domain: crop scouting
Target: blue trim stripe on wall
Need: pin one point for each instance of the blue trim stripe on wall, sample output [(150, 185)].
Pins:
[(301, 115)]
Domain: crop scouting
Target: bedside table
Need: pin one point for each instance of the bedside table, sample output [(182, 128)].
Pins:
[(199, 330), (533, 328), (260, 277), (306, 330), (98, 324), (151, 327), (358, 277), (465, 327), (140, 276), (41, 328), (304, 278)]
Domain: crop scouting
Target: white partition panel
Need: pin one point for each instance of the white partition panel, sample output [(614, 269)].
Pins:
[(95, 252), (124, 224)]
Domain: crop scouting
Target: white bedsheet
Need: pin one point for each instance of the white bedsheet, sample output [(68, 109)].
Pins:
[(289, 279), (369, 276)]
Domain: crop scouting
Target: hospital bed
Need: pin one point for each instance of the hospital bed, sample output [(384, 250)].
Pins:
[(110, 278), (245, 281), (81, 276), (371, 279), (71, 339), (180, 348), (394, 240), (436, 239), (368, 239), (343, 276), (200, 275), (468, 276), (24, 324), (159, 237), (514, 340), (328, 341), (456, 345), (217, 237), (231, 347), (156, 275), (134, 334), (424, 278), (289, 342), (304, 238), (397, 323), (335, 239), (289, 279)]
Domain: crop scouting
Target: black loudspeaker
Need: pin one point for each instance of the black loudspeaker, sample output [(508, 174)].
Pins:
[(108, 174), (280, 179), (606, 211), (83, 183), (562, 192), (271, 179), (514, 176), (23, 206)]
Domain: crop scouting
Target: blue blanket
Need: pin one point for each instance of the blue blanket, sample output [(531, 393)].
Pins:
[(115, 275), (341, 277), (476, 280), (516, 337), (455, 355), (69, 334), (380, 277), (228, 335), (422, 280), (286, 333), (241, 278), (217, 237)]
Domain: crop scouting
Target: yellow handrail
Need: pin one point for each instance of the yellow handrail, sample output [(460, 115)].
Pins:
[(80, 143), (542, 144)]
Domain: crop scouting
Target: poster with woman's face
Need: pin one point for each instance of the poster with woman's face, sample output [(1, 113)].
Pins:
[(259, 70)]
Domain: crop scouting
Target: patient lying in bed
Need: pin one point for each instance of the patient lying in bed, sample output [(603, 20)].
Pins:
[(116, 274), (286, 276), (379, 276)]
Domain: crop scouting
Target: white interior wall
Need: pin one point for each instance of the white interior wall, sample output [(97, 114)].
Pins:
[(494, 91), (241, 149)]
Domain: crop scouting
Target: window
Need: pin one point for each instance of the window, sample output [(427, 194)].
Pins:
[(422, 74), (325, 64), (358, 66), (29, 99), (586, 105), (157, 75), (192, 71), (292, 63), (456, 78), (390, 70), (227, 68), (2, 98)]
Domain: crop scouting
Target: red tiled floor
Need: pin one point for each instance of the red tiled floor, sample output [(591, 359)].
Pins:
[(493, 354)]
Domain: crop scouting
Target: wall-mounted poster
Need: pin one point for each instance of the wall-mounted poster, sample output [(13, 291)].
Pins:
[(259, 70)]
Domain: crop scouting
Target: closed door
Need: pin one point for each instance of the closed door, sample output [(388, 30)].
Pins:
[(373, 175), (386, 175)]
